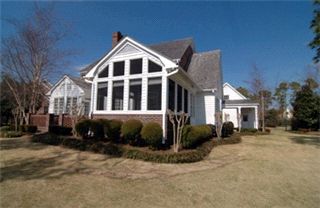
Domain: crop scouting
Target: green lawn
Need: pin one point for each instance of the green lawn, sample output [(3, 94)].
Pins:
[(277, 170)]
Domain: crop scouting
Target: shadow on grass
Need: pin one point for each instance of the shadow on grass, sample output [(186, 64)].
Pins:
[(45, 168), (15, 143), (308, 140)]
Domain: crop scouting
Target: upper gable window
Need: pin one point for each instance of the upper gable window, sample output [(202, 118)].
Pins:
[(153, 67), (226, 97), (104, 72), (136, 66), (118, 68)]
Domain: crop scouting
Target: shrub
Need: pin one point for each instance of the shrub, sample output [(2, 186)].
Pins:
[(130, 131), (10, 134), (114, 130), (227, 129), (192, 136), (90, 129), (5, 128), (28, 128), (105, 125), (249, 130), (213, 130), (152, 134), (60, 130)]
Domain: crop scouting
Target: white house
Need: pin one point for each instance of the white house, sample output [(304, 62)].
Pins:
[(238, 109), (135, 80), (69, 92)]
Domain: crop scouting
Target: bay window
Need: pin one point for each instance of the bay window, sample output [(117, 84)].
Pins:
[(154, 93), (117, 95), (135, 94), (102, 96)]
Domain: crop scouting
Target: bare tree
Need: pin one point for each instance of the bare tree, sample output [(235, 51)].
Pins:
[(31, 55), (259, 92), (178, 122), (77, 113)]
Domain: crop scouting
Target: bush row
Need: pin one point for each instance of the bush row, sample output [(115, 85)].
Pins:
[(118, 150), (10, 134), (227, 129), (60, 130), (192, 136), (131, 131)]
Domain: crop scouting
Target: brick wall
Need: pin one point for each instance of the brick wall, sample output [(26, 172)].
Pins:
[(144, 118), (41, 121)]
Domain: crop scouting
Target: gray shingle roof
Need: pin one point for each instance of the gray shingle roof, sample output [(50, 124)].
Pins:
[(205, 69), (172, 49), (83, 85), (239, 102)]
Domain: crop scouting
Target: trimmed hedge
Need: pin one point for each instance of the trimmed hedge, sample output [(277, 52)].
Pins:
[(28, 128), (227, 129), (113, 130), (90, 129), (192, 136), (10, 134), (152, 134), (118, 150), (60, 130), (130, 130)]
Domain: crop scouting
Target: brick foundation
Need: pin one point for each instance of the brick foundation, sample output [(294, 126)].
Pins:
[(144, 118)]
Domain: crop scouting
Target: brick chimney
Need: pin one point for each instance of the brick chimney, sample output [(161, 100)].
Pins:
[(116, 37)]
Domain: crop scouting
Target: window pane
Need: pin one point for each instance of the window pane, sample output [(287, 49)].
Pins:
[(186, 104), (154, 94), (171, 94), (55, 106), (61, 104), (179, 101), (117, 95), (153, 67), (118, 68), (135, 94), (68, 107), (104, 72), (102, 96), (136, 66)]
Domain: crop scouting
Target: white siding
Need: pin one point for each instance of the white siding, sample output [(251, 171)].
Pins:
[(62, 91), (205, 108), (232, 93), (231, 115)]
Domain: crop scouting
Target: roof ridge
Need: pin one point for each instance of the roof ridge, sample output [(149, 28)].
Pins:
[(170, 41)]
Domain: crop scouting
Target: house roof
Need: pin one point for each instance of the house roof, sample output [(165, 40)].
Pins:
[(85, 86), (240, 102), (173, 49), (205, 69)]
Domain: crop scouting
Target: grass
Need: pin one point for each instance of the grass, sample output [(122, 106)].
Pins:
[(276, 170)]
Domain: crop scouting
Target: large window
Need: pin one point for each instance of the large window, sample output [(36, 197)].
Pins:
[(104, 72), (117, 95), (61, 104), (102, 96), (179, 97), (186, 104), (71, 105), (171, 94), (118, 68), (55, 105), (136, 66), (154, 94), (153, 67), (135, 94)]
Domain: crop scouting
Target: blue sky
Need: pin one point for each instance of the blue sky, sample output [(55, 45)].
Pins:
[(272, 35)]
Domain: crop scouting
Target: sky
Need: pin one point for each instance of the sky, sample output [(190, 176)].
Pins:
[(274, 36)]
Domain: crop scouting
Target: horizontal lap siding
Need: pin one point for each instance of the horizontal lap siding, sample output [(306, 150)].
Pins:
[(143, 118)]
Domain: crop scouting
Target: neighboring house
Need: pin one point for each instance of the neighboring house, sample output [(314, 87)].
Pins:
[(68, 95), (134, 80), (239, 109)]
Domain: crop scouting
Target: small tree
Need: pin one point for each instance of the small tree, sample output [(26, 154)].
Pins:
[(178, 122), (77, 113), (218, 117), (306, 108)]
